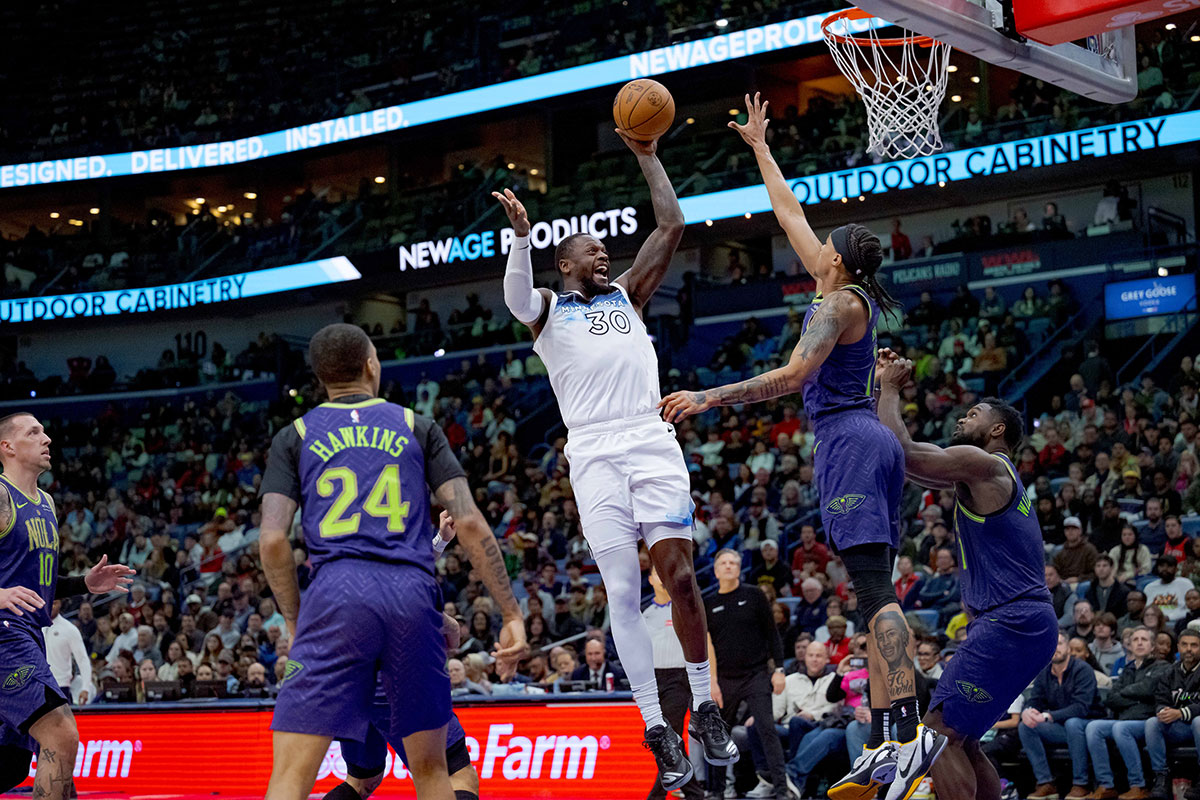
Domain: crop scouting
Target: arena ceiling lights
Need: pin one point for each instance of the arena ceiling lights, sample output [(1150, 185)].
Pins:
[(676, 57)]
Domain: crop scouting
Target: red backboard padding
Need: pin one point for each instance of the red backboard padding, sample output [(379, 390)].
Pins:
[(1058, 21)]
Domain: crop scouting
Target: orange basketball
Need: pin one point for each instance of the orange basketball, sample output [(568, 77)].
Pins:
[(644, 109)]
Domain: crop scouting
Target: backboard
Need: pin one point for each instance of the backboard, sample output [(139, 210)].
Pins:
[(1105, 71)]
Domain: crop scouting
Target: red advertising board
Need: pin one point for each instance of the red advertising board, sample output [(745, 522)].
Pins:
[(520, 750)]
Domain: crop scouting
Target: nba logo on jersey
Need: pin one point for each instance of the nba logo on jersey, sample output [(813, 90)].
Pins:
[(354, 416)]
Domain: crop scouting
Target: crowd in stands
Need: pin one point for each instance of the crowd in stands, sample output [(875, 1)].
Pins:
[(828, 134), (171, 489), (199, 79)]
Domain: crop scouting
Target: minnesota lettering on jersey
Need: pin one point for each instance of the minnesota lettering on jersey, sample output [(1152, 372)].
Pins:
[(388, 440)]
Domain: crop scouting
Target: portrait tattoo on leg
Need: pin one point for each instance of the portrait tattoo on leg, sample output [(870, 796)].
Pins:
[(891, 637)]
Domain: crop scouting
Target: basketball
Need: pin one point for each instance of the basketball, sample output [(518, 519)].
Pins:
[(644, 110)]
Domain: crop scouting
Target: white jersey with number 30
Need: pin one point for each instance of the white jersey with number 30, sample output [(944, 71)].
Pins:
[(600, 359)]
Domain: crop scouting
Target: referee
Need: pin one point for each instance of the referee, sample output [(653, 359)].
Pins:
[(747, 656), (674, 692)]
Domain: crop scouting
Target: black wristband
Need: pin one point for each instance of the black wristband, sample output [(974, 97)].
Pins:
[(70, 587)]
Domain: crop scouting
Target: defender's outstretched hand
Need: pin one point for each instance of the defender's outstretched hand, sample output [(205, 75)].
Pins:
[(680, 405), (515, 210), (105, 577), (754, 132)]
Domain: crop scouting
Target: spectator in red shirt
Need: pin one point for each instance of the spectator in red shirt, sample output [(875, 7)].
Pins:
[(788, 425), (810, 550), (1177, 544), (908, 585), (901, 246), (1053, 454), (838, 645)]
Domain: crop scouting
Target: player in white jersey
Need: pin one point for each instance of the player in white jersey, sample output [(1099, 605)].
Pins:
[(627, 468)]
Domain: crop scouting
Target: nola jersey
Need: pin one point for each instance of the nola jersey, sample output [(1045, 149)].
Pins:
[(1001, 553), (845, 379), (601, 362), (358, 471), (29, 553)]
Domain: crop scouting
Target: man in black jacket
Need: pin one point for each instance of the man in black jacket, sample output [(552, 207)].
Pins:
[(1105, 593), (1178, 719), (1062, 701), (746, 658), (1131, 701)]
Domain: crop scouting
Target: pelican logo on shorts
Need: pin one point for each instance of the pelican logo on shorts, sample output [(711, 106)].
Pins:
[(972, 692), (290, 669), (18, 679), (845, 504)]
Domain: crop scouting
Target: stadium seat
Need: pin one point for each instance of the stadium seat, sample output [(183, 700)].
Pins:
[(1082, 589), (928, 617)]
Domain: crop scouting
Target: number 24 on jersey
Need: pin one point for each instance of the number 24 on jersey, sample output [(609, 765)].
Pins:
[(384, 501)]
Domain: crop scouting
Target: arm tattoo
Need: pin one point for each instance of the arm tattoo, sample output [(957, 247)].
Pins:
[(6, 508), (825, 326), (482, 549), (762, 387), (892, 639), (822, 334)]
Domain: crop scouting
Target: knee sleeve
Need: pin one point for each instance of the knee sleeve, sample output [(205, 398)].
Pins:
[(622, 578), (870, 567)]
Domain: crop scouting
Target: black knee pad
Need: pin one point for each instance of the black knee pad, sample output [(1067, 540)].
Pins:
[(870, 567), (14, 766)]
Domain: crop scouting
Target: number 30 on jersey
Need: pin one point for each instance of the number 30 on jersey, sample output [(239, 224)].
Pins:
[(603, 322)]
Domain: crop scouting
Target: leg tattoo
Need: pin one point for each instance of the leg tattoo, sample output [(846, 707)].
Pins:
[(892, 638)]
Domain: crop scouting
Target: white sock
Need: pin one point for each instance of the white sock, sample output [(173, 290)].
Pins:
[(699, 680), (646, 696)]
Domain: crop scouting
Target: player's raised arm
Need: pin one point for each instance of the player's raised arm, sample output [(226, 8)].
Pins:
[(787, 208), (838, 312), (650, 266), (475, 535), (529, 305), (925, 463)]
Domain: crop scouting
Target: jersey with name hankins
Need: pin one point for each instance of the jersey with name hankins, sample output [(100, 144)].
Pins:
[(29, 554), (844, 380), (1001, 553), (599, 357), (362, 484)]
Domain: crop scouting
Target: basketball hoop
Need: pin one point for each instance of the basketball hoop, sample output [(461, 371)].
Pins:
[(901, 80)]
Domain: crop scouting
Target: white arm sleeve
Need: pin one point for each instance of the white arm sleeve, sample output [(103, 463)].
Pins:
[(524, 301)]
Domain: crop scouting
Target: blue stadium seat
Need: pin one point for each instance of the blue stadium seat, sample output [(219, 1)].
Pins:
[(1082, 588), (1191, 525), (1145, 581), (1057, 483), (928, 616)]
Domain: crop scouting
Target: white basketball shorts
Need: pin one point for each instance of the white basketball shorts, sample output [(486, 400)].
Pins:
[(626, 473)]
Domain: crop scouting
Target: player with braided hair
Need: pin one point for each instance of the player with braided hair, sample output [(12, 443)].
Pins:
[(859, 464)]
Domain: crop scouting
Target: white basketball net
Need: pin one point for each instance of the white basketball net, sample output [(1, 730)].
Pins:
[(902, 87)]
